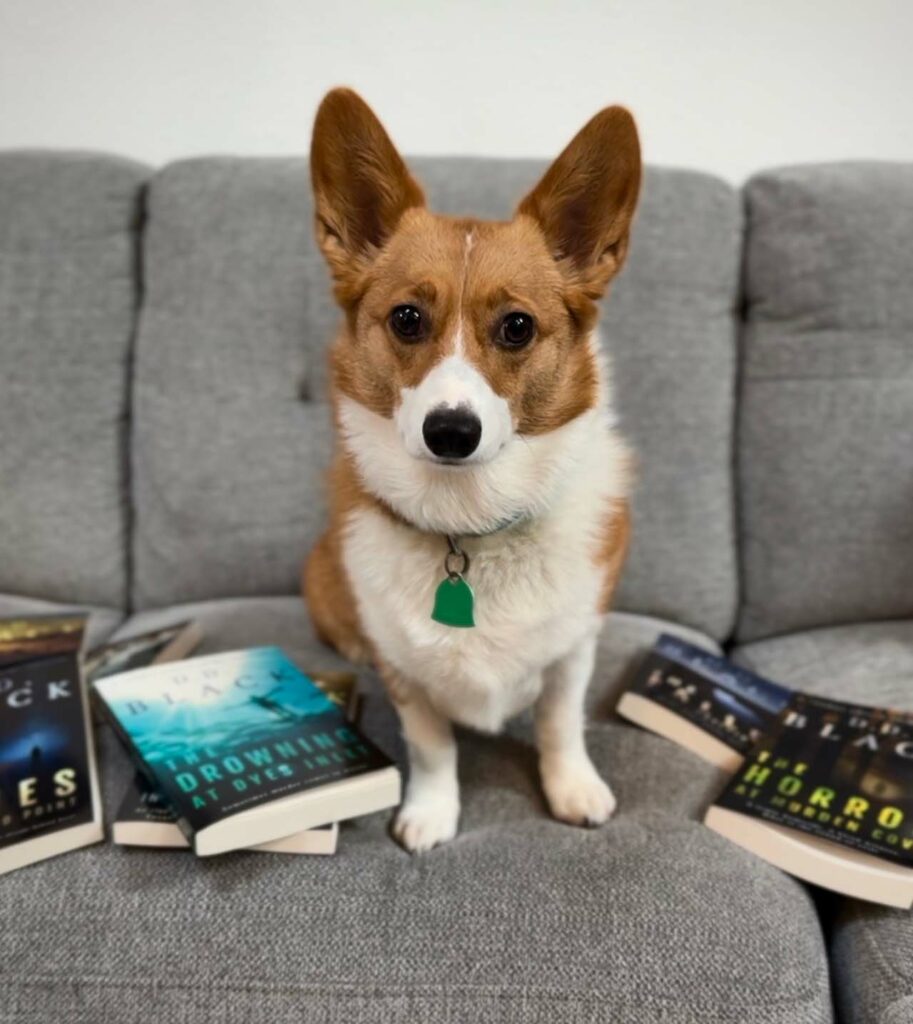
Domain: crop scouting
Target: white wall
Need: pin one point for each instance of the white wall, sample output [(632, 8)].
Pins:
[(724, 85)]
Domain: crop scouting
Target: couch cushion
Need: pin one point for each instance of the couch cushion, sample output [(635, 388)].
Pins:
[(68, 293), (232, 430), (871, 947), (826, 450), (520, 919), (871, 663), (872, 958)]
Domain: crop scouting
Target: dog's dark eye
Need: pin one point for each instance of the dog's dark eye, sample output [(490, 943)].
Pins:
[(407, 322), (517, 330)]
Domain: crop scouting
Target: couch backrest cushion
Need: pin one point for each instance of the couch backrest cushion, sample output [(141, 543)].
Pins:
[(68, 294), (232, 429), (826, 449)]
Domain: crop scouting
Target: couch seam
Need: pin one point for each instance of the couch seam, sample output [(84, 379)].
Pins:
[(384, 992), (887, 966)]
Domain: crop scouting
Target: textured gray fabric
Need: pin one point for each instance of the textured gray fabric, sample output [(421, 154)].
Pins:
[(871, 947), (520, 919), (871, 663), (234, 330), (102, 621), (68, 292), (872, 963), (826, 444)]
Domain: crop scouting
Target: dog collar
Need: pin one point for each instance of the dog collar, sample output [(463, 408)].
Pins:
[(454, 600)]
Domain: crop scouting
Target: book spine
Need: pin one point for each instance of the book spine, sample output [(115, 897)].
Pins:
[(141, 765)]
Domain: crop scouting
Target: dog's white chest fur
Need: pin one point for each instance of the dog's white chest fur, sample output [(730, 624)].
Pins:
[(537, 584)]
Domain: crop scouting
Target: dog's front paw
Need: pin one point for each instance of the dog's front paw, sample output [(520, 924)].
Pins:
[(422, 824), (576, 794)]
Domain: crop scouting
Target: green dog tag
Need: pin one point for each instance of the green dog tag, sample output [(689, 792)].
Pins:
[(453, 603)]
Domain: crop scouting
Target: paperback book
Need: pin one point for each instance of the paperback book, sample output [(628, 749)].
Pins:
[(145, 818), (245, 748), (49, 798), (171, 643), (35, 636), (701, 701), (827, 795)]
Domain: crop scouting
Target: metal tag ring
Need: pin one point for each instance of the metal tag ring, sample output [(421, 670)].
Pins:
[(455, 574)]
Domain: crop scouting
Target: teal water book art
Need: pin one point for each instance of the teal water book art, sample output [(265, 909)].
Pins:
[(246, 748)]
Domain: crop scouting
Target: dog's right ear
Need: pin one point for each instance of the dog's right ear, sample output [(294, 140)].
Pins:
[(361, 184)]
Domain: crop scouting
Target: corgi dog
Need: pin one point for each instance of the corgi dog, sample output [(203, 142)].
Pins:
[(479, 493)]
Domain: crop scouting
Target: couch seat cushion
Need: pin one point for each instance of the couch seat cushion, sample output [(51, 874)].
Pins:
[(871, 947), (519, 919)]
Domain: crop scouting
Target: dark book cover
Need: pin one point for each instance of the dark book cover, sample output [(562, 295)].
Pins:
[(47, 780), (729, 702), (228, 733), (842, 772), (25, 637), (167, 644), (144, 805)]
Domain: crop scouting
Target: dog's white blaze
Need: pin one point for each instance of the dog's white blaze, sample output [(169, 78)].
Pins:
[(453, 382), (459, 342), (537, 584)]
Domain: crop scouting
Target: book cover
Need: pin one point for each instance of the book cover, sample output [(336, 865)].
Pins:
[(827, 794), (700, 700), (49, 800), (170, 643), (246, 748), (36, 636), (146, 819)]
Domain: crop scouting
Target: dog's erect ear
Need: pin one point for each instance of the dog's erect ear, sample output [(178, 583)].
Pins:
[(361, 185), (585, 202)]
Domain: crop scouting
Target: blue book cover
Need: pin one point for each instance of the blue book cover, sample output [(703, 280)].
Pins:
[(246, 735)]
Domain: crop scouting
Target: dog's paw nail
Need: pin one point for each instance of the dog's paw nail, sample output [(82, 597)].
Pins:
[(578, 796), (420, 827)]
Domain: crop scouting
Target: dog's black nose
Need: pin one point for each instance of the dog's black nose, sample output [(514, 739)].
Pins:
[(452, 433)]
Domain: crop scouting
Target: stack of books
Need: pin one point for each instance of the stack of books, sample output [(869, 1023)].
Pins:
[(820, 788), (231, 751)]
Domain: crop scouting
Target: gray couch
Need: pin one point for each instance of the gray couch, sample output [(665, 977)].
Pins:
[(163, 432)]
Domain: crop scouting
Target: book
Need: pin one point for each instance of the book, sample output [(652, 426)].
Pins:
[(49, 796), (703, 702), (246, 748), (827, 795), (146, 819), (171, 643), (33, 636)]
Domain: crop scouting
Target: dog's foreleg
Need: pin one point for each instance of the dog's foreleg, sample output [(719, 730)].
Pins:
[(574, 790), (431, 809)]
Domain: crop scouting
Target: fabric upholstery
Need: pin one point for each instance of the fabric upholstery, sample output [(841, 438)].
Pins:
[(232, 432), (871, 663), (520, 919), (68, 294), (826, 449)]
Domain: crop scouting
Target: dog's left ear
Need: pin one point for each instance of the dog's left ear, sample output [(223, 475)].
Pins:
[(585, 202)]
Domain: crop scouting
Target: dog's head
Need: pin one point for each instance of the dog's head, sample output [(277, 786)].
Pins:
[(467, 344)]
